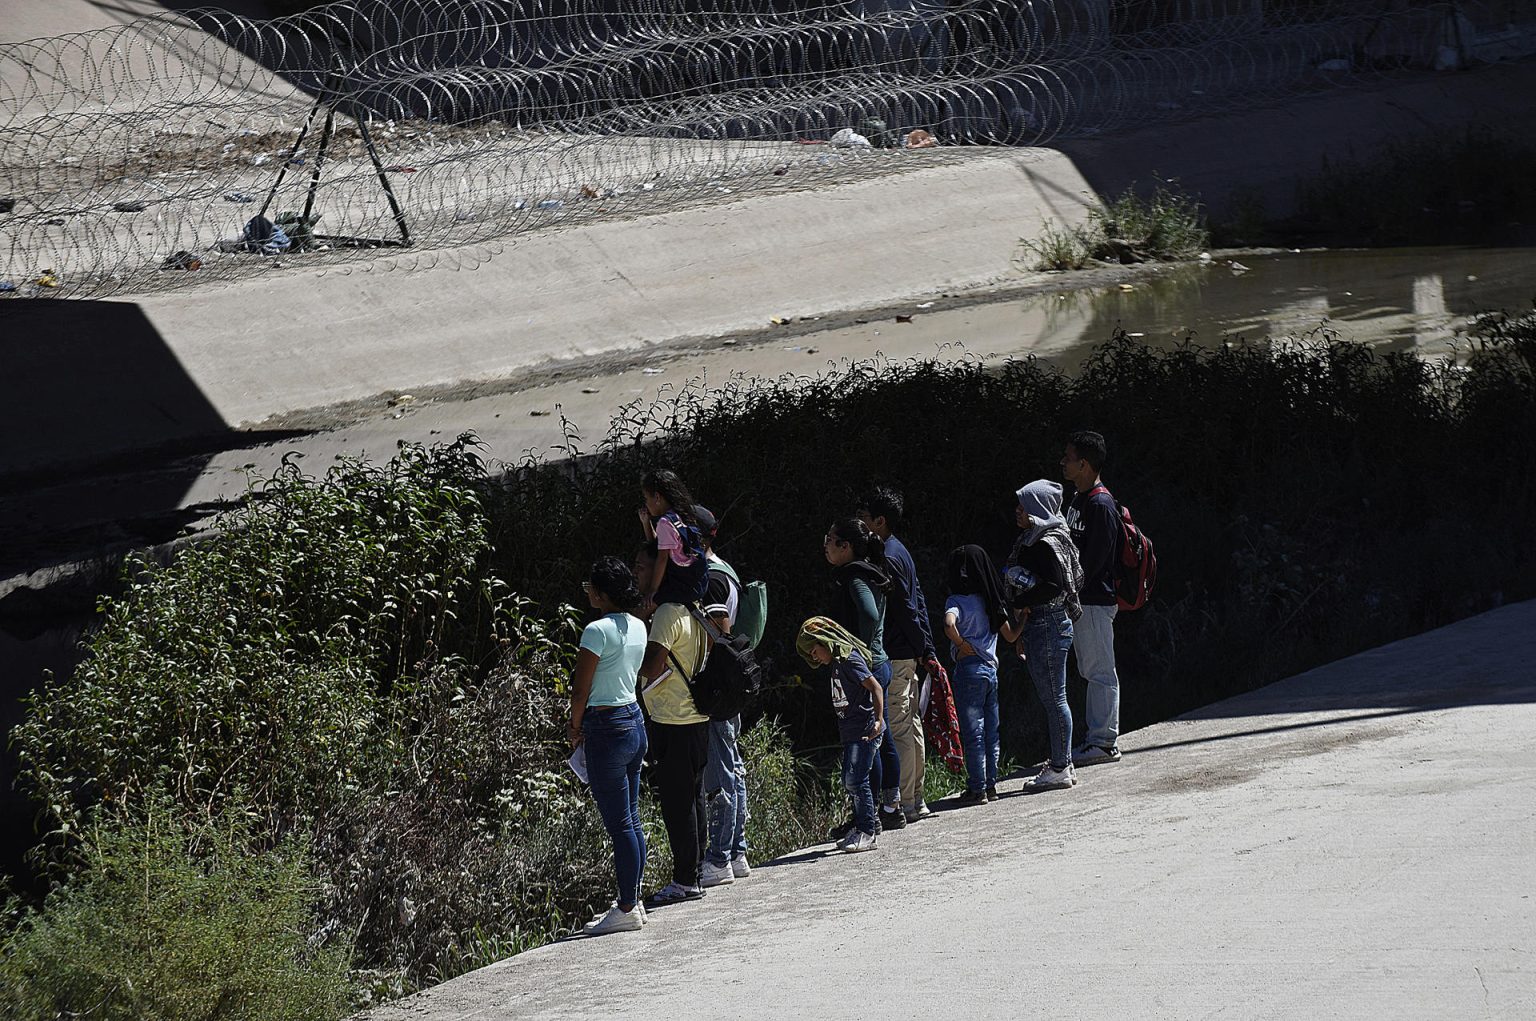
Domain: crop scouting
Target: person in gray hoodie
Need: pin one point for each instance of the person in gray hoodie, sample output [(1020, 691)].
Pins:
[(1043, 579)]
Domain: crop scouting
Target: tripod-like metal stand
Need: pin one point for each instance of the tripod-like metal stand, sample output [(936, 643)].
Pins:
[(326, 98)]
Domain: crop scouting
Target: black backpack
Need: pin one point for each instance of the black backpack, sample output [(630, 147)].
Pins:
[(731, 676)]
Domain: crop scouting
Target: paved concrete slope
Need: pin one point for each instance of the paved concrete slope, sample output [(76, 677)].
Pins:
[(1355, 842)]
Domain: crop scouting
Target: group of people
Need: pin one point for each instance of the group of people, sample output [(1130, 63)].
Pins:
[(659, 615)]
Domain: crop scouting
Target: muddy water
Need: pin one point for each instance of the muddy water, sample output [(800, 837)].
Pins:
[(1401, 299)]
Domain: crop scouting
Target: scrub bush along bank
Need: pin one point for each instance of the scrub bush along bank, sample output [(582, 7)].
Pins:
[(352, 696)]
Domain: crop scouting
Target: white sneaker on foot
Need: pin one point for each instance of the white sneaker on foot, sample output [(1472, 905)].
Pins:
[(716, 875), (1051, 779), (857, 841), (739, 867), (615, 919)]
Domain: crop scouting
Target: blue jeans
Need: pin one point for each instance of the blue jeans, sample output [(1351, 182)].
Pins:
[(975, 687), (858, 758), (725, 793), (1047, 637), (614, 737), (885, 778)]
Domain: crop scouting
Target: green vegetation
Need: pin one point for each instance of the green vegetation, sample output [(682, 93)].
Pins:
[(177, 921), (366, 669), (1129, 229)]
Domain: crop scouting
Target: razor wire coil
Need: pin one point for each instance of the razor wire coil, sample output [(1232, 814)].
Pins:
[(134, 154)]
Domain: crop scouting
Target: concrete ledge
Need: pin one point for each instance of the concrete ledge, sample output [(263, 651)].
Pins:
[(1355, 842)]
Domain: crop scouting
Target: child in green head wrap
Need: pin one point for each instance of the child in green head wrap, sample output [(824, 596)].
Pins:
[(860, 707)]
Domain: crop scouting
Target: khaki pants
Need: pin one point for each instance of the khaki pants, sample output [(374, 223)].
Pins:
[(907, 729)]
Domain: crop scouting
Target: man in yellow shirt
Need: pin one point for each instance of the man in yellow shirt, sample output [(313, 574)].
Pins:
[(679, 736)]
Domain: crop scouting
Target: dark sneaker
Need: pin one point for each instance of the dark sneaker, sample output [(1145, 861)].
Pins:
[(992, 793), (891, 818), (1092, 755), (673, 893), (840, 831), (970, 797)]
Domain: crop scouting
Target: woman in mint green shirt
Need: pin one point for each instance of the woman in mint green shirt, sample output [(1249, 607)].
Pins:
[(607, 724)]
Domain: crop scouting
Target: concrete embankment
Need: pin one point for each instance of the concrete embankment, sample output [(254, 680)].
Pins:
[(89, 380), (1354, 842)]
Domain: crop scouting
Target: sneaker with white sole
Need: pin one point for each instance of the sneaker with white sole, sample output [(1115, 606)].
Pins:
[(856, 841), (615, 919), (716, 875), (673, 893), (1092, 755), (739, 867), (920, 811), (1051, 779)]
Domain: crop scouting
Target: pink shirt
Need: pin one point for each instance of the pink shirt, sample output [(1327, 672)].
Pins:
[(668, 539)]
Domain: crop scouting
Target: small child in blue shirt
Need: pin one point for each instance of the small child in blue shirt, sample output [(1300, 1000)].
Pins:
[(860, 706), (974, 614)]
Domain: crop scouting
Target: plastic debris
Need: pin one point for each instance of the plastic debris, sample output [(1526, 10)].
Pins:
[(182, 260), (264, 236), (781, 320), (237, 196), (590, 390), (847, 138), (550, 205), (650, 372), (781, 170), (129, 206), (1238, 269), (921, 139), (589, 192), (1205, 256), (56, 221), (400, 399), (926, 304), (6, 287), (538, 413), (903, 319), (1127, 287), (47, 278), (7, 204)]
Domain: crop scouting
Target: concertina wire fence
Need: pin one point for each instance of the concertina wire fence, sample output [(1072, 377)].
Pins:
[(136, 158)]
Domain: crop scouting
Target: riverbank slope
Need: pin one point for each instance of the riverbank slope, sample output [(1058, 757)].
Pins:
[(92, 380), (1339, 844)]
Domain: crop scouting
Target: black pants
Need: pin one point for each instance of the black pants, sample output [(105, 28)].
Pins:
[(679, 751)]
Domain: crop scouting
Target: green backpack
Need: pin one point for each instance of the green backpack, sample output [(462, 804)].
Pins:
[(751, 604)]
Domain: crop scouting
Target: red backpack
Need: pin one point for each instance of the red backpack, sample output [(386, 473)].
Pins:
[(1137, 571)]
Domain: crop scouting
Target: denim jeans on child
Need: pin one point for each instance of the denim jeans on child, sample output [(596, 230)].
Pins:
[(1047, 637), (725, 793), (614, 737), (858, 757), (885, 777), (975, 688)]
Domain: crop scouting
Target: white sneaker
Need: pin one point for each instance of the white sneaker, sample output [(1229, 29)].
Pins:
[(716, 875), (1051, 779), (921, 811), (857, 841), (645, 917), (615, 920), (739, 867), (1092, 754)]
